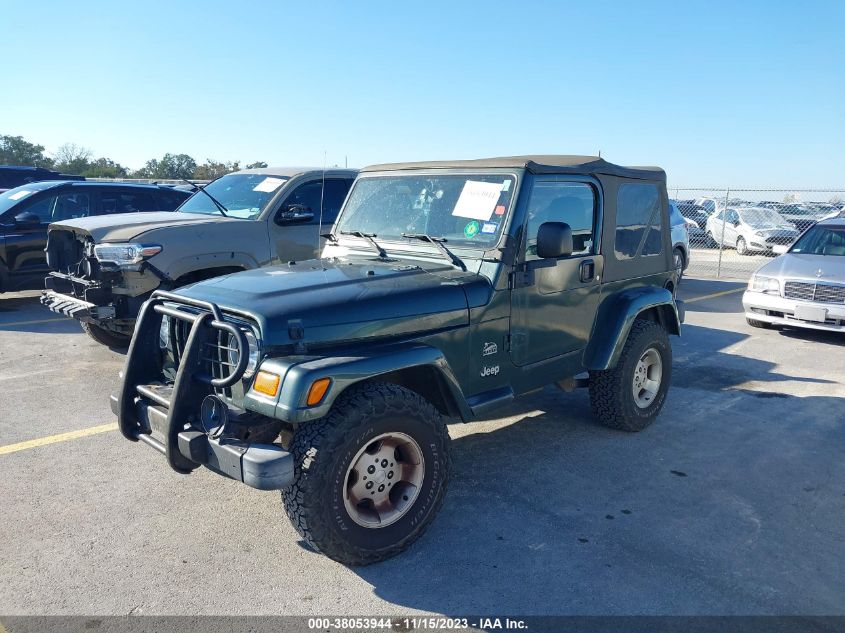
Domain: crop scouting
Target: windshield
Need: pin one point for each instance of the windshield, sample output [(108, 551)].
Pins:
[(243, 195), (466, 210), (12, 197), (763, 217), (821, 240)]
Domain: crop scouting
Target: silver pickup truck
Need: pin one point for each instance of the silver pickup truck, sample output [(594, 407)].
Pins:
[(104, 268)]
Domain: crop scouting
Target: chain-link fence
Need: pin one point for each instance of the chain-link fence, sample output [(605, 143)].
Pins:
[(732, 232)]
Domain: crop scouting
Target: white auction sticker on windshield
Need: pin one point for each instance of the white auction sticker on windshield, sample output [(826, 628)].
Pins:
[(478, 200), (268, 185), (19, 194)]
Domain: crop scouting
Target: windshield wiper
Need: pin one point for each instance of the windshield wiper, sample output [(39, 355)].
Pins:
[(438, 242), (369, 237), (223, 210)]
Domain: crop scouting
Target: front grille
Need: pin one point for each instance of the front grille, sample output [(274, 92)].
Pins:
[(814, 291), (218, 353), (784, 240)]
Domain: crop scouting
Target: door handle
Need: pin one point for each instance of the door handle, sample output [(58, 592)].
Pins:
[(587, 270)]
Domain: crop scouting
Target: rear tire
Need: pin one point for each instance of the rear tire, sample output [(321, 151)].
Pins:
[(678, 260), (105, 337), (328, 502), (646, 359), (755, 323)]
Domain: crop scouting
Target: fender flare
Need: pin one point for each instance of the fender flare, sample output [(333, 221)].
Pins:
[(391, 362), (616, 315)]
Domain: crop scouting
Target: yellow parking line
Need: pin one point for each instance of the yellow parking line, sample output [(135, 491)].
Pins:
[(15, 323), (2, 628), (715, 294), (53, 439)]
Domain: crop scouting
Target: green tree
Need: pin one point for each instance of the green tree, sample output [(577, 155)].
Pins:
[(170, 167), (14, 150), (72, 159), (212, 169), (105, 168)]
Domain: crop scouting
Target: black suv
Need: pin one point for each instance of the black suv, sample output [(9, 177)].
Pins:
[(12, 176), (26, 211)]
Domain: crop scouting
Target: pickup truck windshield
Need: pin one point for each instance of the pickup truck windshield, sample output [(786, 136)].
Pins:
[(466, 210), (243, 195)]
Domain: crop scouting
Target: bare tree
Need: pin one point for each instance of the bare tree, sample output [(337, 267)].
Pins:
[(72, 158)]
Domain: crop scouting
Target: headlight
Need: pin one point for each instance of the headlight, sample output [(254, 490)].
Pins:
[(164, 332), (254, 352), (125, 254), (764, 284)]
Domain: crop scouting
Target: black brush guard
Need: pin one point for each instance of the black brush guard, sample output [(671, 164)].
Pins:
[(143, 397)]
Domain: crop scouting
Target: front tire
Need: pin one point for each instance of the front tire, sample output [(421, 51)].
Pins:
[(370, 476), (629, 396), (756, 323), (741, 246), (105, 337)]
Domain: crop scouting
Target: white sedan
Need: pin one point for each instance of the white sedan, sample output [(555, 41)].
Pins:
[(805, 287)]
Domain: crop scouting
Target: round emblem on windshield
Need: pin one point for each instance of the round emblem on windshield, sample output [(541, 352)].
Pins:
[(471, 229)]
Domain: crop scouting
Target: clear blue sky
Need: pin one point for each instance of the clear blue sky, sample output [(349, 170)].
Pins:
[(740, 93)]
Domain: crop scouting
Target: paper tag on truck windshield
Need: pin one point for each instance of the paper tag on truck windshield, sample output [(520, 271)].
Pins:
[(268, 185), (477, 200)]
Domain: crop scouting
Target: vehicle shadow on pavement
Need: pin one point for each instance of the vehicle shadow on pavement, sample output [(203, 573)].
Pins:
[(710, 510)]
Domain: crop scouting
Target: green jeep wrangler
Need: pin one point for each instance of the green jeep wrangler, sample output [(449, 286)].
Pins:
[(445, 290)]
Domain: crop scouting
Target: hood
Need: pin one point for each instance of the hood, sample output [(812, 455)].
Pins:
[(802, 266), (343, 300), (774, 229), (124, 227)]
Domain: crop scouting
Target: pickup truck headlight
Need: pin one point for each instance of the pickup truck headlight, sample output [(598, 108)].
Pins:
[(125, 254), (764, 284)]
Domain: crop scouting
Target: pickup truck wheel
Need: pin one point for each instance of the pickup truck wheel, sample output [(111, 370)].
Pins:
[(105, 337), (370, 476), (630, 396)]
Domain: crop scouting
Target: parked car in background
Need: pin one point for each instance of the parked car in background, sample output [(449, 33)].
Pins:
[(806, 286), (800, 216), (697, 215), (12, 176), (750, 229), (680, 240), (26, 212), (105, 268)]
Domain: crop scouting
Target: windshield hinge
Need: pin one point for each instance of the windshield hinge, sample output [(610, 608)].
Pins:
[(521, 278)]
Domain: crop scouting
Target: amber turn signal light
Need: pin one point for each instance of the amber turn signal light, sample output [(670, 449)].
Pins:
[(266, 383), (318, 391)]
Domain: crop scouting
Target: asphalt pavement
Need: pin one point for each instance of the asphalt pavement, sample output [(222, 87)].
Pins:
[(733, 502)]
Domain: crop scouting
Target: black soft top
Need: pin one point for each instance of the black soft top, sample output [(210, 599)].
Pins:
[(551, 164)]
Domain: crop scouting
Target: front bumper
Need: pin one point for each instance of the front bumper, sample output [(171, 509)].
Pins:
[(76, 308), (165, 416), (260, 466), (778, 310)]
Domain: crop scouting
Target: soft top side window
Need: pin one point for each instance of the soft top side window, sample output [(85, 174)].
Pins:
[(638, 221)]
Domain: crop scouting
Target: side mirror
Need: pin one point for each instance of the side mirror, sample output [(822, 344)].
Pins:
[(554, 239), (294, 214), (735, 222), (27, 219)]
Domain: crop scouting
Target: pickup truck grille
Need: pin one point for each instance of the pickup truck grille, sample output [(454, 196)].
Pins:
[(814, 291)]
